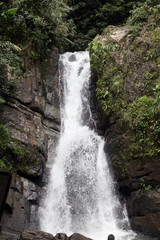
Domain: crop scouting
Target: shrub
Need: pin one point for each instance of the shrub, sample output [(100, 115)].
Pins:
[(33, 24), (10, 69)]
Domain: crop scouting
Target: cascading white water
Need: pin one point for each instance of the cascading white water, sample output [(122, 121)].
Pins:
[(81, 195)]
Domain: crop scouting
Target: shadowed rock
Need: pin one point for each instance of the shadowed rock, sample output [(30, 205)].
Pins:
[(61, 236), (77, 236), (36, 235), (72, 58)]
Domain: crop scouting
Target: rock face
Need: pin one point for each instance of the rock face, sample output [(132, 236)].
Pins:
[(145, 209), (33, 120), (21, 207), (127, 79)]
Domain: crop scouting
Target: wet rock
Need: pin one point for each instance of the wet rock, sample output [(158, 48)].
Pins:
[(36, 235), (5, 179), (144, 211), (77, 236), (61, 236), (72, 58), (21, 207), (33, 120), (34, 117)]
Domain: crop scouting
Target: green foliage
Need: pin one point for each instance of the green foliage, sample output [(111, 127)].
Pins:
[(97, 54), (138, 112), (142, 121), (10, 69), (147, 187), (136, 120), (144, 186), (11, 11), (110, 77), (37, 161), (2, 100), (91, 17), (156, 103), (12, 157), (4, 142), (4, 164), (28, 29), (122, 165), (20, 153), (4, 138), (139, 14), (33, 25)]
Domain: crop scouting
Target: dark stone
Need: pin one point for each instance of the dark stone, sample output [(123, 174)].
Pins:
[(22, 199), (77, 236), (36, 235), (5, 179), (144, 211), (72, 58), (111, 237), (61, 236)]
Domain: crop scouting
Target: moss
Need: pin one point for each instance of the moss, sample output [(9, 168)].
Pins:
[(122, 165), (14, 155), (37, 161), (4, 138), (16, 141), (4, 164), (20, 153), (145, 186), (17, 128)]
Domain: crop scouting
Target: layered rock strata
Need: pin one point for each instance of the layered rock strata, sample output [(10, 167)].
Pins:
[(33, 121)]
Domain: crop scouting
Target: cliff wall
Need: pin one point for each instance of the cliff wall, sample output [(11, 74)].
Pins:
[(126, 66), (32, 120)]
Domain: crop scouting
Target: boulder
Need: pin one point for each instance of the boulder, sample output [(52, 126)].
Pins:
[(61, 236), (144, 211), (36, 235), (78, 236)]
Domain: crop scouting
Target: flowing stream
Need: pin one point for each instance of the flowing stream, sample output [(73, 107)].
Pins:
[(81, 196)]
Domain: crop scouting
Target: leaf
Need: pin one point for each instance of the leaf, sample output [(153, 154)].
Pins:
[(12, 11), (106, 93), (2, 100)]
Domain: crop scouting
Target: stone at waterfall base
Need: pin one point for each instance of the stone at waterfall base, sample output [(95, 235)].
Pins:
[(36, 235), (77, 236), (40, 235)]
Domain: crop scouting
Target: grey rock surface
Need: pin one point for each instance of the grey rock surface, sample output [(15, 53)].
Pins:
[(36, 235), (33, 120)]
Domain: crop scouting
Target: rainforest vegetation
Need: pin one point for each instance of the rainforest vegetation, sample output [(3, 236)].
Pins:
[(123, 39), (29, 29), (128, 85)]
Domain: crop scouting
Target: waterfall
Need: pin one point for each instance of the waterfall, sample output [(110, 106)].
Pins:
[(81, 194)]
